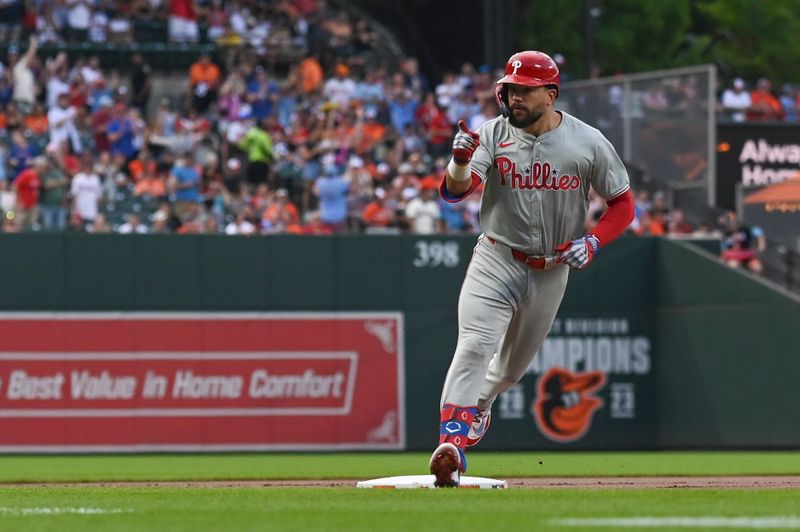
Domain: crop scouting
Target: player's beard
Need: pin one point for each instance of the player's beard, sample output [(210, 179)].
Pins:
[(524, 120)]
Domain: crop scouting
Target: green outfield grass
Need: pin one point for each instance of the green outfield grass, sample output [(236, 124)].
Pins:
[(371, 465), (113, 508), (374, 510)]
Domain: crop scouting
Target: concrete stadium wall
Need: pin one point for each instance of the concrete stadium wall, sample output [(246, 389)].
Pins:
[(722, 345)]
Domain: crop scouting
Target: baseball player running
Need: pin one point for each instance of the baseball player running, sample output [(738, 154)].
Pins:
[(537, 165)]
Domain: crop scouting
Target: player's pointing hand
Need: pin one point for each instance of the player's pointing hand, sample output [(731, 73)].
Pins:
[(465, 143)]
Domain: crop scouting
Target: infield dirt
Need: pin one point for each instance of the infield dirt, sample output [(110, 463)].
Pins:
[(720, 482)]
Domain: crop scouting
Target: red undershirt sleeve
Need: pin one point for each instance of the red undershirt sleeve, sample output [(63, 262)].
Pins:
[(616, 219)]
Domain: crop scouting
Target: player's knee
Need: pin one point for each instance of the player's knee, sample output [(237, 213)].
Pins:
[(474, 347), (510, 380)]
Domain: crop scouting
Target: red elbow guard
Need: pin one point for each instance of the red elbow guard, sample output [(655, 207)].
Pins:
[(616, 219)]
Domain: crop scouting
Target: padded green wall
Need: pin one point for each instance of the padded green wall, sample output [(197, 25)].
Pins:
[(725, 349)]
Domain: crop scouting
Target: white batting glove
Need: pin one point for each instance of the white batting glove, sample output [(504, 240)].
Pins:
[(578, 253)]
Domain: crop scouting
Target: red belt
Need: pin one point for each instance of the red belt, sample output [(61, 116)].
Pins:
[(537, 263)]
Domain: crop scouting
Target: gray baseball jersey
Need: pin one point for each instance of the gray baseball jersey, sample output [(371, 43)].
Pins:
[(537, 188), (535, 197)]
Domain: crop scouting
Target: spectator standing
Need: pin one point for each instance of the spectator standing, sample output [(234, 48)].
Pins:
[(58, 81), (99, 124), (98, 27), (262, 93), (86, 191), (61, 122), (788, 101), (204, 77), (765, 106), (182, 23), (217, 19), (12, 14), (331, 188), (79, 17), (55, 188), (257, 143), (736, 101), (120, 133), (23, 76), (140, 82), (288, 99), (231, 99), (185, 183), (28, 185), (21, 153)]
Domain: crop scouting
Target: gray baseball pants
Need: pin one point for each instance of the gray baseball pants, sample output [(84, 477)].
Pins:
[(505, 310)]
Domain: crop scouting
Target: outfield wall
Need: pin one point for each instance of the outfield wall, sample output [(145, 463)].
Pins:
[(665, 347)]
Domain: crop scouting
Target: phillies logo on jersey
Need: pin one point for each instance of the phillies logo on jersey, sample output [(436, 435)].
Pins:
[(539, 176), (564, 404)]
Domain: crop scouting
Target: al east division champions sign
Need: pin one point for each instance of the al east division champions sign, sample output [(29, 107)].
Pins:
[(201, 382)]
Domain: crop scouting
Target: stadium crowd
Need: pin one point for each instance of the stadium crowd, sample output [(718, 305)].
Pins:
[(341, 141)]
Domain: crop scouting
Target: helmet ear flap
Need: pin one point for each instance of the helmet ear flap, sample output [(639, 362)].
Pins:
[(501, 95)]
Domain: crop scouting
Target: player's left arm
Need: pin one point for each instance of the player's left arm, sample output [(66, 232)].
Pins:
[(611, 181)]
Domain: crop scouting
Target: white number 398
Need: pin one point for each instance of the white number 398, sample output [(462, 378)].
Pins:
[(431, 254)]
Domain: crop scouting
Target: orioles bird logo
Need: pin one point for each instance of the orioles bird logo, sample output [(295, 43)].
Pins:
[(564, 405)]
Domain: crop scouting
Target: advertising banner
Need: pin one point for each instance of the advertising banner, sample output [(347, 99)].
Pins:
[(591, 386), (754, 155), (176, 382)]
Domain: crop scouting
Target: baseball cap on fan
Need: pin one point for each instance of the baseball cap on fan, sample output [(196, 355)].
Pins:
[(738, 83)]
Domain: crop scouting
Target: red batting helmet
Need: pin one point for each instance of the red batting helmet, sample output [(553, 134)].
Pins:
[(530, 68)]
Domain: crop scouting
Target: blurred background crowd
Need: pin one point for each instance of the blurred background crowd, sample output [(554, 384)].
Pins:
[(290, 118)]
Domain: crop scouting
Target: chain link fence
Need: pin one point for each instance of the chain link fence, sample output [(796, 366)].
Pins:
[(662, 123)]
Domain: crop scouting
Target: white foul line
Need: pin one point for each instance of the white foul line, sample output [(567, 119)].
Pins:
[(761, 522), (4, 510)]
